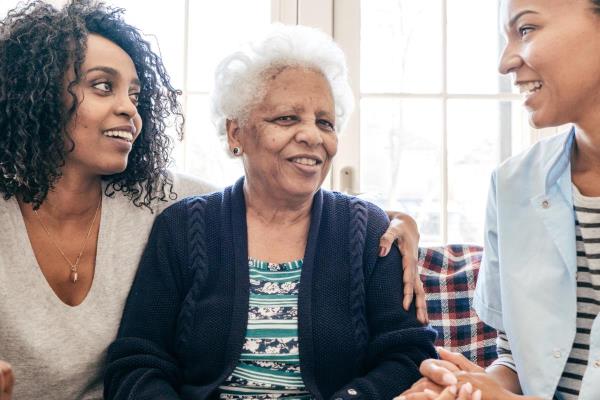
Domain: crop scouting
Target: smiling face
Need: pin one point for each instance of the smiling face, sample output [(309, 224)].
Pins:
[(553, 52), (289, 138), (106, 122)]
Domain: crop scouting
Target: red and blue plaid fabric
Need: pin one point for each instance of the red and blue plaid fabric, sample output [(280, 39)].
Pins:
[(449, 275)]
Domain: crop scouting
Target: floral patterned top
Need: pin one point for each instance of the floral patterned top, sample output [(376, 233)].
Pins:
[(269, 366)]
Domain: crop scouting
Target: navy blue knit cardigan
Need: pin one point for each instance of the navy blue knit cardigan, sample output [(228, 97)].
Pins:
[(185, 320)]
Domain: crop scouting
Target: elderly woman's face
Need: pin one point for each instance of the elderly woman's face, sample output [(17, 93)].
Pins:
[(553, 52), (289, 138)]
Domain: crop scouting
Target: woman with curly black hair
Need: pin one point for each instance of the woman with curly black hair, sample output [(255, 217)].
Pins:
[(83, 154)]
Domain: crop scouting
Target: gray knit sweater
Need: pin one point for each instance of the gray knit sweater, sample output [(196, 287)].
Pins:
[(58, 351)]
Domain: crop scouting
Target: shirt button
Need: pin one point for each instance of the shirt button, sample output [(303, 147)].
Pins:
[(557, 354), (545, 204), (352, 392)]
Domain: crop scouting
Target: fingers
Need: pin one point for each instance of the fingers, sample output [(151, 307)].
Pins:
[(7, 380), (439, 371), (408, 278), (459, 360), (422, 384), (467, 392), (420, 301), (413, 396), (387, 240), (403, 228), (447, 394)]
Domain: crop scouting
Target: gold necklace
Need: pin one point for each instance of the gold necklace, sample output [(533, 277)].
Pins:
[(72, 266)]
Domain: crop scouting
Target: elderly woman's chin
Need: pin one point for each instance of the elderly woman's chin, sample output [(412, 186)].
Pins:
[(293, 185), (305, 187)]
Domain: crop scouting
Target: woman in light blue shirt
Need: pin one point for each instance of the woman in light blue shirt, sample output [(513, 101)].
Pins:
[(540, 280)]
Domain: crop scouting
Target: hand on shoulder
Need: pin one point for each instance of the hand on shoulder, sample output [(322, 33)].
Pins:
[(404, 231)]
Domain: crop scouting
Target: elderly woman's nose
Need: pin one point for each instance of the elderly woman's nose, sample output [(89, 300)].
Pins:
[(310, 134)]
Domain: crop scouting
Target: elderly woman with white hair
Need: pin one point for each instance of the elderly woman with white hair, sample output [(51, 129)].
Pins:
[(272, 288)]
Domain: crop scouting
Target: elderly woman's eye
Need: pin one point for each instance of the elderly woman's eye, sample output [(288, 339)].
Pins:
[(286, 119), (327, 124)]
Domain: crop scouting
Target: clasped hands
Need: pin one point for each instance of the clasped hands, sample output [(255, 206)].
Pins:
[(454, 377)]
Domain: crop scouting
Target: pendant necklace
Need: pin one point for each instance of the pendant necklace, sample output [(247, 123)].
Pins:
[(73, 276)]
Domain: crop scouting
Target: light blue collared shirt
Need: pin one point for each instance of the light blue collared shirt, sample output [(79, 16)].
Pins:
[(527, 286)]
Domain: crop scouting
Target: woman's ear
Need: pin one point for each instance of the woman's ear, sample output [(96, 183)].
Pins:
[(233, 134)]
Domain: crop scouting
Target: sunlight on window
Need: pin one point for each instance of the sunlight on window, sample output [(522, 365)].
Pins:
[(401, 46), (474, 45), (401, 154), (422, 104)]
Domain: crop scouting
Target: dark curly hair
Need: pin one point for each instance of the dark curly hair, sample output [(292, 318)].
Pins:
[(596, 4), (38, 44)]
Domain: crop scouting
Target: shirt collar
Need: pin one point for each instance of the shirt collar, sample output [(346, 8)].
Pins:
[(560, 162)]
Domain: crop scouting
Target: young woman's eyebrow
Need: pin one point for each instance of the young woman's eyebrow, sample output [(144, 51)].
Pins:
[(111, 71), (514, 19)]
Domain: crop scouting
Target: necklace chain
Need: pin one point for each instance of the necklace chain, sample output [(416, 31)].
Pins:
[(72, 266)]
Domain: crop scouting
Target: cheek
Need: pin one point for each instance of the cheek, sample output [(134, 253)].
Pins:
[(331, 143), (137, 122), (87, 114), (272, 143)]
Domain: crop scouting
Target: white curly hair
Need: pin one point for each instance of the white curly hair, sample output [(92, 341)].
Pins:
[(240, 79)]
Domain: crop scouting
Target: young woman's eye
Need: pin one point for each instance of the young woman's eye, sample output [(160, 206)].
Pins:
[(326, 124), (525, 30), (103, 86), (135, 97)]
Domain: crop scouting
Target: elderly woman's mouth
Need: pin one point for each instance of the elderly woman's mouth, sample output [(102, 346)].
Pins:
[(306, 161)]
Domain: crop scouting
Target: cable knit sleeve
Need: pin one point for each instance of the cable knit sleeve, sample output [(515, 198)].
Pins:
[(397, 343), (141, 362)]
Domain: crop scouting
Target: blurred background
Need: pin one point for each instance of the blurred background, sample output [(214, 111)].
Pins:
[(433, 117)]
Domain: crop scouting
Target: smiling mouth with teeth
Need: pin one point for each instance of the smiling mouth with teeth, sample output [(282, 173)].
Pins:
[(305, 161), (530, 87), (128, 136)]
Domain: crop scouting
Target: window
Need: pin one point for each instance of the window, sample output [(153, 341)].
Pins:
[(434, 116)]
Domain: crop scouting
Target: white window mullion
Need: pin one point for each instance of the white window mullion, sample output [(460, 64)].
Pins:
[(346, 32), (181, 150), (284, 11), (444, 163), (316, 13)]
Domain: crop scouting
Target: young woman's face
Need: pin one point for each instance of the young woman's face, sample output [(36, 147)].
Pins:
[(553, 52), (107, 122)]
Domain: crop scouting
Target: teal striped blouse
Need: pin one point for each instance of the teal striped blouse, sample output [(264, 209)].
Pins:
[(269, 366)]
